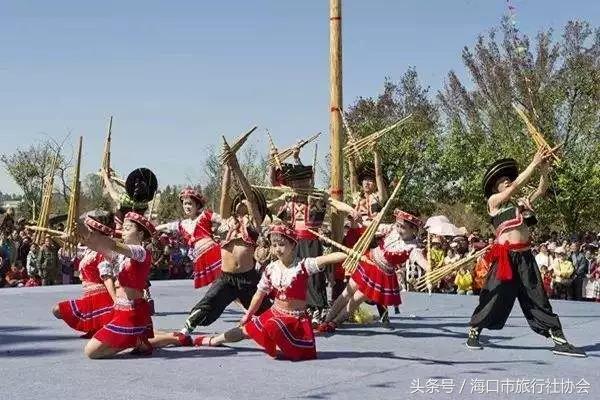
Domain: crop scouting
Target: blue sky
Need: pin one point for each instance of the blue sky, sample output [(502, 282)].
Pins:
[(178, 74)]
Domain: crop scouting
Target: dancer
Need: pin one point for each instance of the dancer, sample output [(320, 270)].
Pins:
[(95, 309), (303, 212), (197, 231), (377, 282), (514, 272), (367, 204), (140, 187), (131, 325), (286, 325), (240, 227)]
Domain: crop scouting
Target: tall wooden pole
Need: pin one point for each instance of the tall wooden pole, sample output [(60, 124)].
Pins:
[(335, 122)]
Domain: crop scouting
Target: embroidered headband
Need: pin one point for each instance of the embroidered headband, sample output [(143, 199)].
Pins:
[(404, 216), (141, 221), (191, 193), (284, 231)]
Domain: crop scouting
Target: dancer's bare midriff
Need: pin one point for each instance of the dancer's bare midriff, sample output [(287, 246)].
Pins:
[(237, 257), (127, 292), (517, 235)]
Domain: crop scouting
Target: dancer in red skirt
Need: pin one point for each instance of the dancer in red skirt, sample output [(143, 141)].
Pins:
[(131, 325), (95, 309), (286, 325), (367, 204), (197, 231), (378, 283)]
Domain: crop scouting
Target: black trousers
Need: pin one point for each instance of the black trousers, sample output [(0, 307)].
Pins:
[(497, 298), (317, 283), (577, 288), (222, 292)]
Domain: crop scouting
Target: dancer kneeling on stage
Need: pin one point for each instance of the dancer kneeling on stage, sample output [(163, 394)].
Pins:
[(514, 272), (131, 325), (95, 309), (377, 281), (286, 325)]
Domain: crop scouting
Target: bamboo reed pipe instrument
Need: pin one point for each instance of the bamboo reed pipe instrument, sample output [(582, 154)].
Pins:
[(341, 247), (71, 226), (365, 239), (239, 142), (435, 276), (537, 137), (44, 213), (276, 160), (105, 164), (354, 147), (314, 192)]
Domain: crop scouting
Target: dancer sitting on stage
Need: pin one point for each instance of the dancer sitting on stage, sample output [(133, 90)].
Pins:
[(377, 282), (131, 325), (286, 325), (95, 309), (241, 230), (197, 231), (514, 272)]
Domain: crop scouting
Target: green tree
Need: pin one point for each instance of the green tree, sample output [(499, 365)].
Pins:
[(410, 150), (93, 194), (30, 168), (169, 206), (253, 165)]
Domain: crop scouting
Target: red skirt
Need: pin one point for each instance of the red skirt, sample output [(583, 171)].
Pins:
[(381, 287), (292, 334), (130, 326), (89, 313), (207, 266)]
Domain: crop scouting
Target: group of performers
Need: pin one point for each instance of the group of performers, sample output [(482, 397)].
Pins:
[(287, 301)]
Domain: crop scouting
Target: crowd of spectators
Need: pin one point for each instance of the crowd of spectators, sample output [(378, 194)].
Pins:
[(25, 263), (570, 268)]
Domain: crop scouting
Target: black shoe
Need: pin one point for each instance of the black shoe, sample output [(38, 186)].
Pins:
[(567, 349), (385, 319), (396, 310), (473, 340)]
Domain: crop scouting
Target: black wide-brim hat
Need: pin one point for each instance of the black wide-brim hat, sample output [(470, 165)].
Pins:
[(365, 170), (506, 167), (141, 185), (260, 198)]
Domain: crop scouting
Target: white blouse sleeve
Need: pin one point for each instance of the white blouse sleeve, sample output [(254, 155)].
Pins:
[(106, 268), (311, 266), (264, 285), (216, 219), (138, 253), (170, 226), (415, 254)]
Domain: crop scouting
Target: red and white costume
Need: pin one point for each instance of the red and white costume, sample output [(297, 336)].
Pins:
[(367, 206), (290, 331), (204, 251), (131, 323), (379, 282), (92, 311)]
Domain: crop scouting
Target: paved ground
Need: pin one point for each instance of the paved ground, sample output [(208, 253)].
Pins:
[(423, 357)]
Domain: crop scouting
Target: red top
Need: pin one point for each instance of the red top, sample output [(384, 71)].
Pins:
[(134, 271), (288, 283), (202, 228), (88, 267)]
